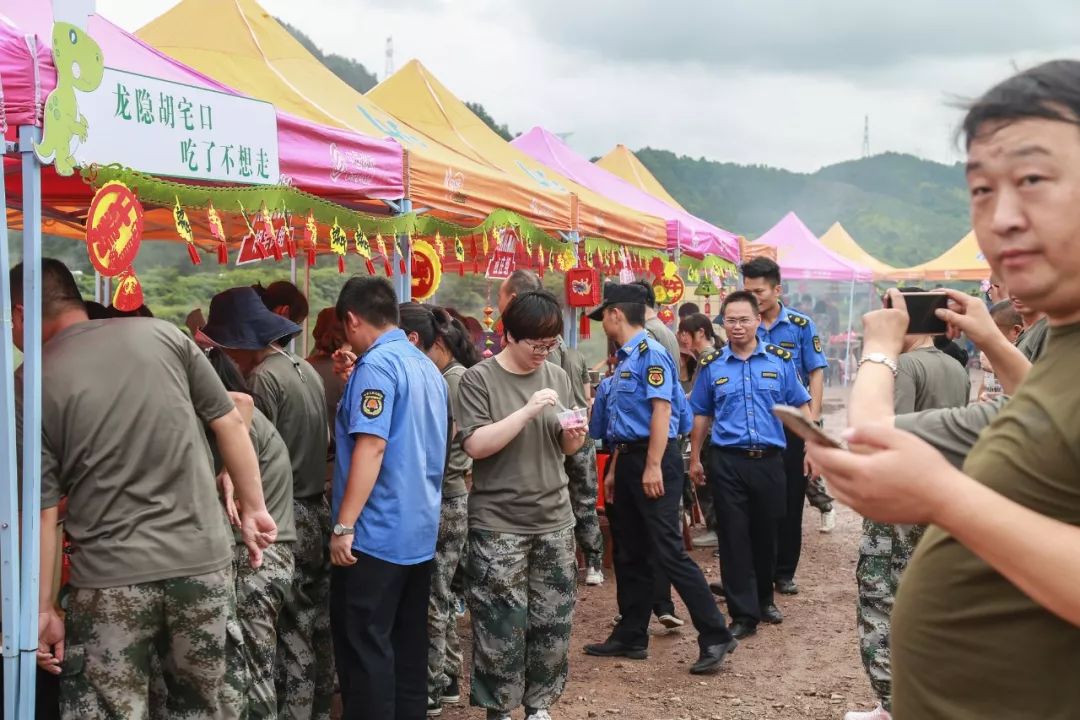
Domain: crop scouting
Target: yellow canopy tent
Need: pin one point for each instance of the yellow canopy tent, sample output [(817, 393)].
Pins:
[(839, 241), (417, 97), (241, 45), (963, 261), (620, 161)]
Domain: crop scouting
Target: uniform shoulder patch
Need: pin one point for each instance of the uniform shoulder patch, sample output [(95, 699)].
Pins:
[(817, 343), (778, 352), (655, 375), (643, 346), (709, 357), (796, 319), (371, 403)]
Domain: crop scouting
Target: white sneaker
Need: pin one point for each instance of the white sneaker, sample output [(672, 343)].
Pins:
[(878, 713), (594, 576), (670, 621), (539, 715), (828, 521)]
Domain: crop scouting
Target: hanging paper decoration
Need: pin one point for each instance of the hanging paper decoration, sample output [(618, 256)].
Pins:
[(285, 234), (128, 295), (583, 290), (426, 271), (311, 238), (459, 255), (363, 249), (666, 315), (566, 260), (183, 229), (704, 289), (380, 247), (488, 324), (338, 244), (692, 275), (114, 228), (437, 243), (504, 261), (669, 288), (401, 256), (217, 231)]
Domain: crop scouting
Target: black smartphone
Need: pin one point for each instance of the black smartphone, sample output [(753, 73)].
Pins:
[(922, 307), (797, 423)]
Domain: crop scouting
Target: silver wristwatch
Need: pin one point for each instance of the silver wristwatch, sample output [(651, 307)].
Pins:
[(340, 529), (880, 359)]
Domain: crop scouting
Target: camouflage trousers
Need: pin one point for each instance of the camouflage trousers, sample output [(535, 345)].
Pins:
[(260, 595), (521, 591), (817, 494), (305, 653), (883, 556), (581, 476), (172, 648), (444, 651)]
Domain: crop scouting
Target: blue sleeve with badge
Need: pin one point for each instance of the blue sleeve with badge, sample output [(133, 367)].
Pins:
[(659, 374), (369, 397), (598, 420), (811, 353)]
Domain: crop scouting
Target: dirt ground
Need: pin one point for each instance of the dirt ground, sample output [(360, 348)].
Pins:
[(808, 667)]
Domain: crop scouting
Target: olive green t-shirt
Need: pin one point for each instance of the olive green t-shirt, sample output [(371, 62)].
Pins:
[(662, 334), (952, 431), (966, 642), (290, 393), (276, 471), (522, 488), (124, 403), (573, 362), (928, 378), (1032, 341), (457, 463)]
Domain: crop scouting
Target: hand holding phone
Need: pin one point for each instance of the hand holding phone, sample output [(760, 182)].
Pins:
[(922, 310), (797, 423)]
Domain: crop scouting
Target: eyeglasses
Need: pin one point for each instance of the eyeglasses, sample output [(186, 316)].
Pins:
[(739, 322), (542, 348)]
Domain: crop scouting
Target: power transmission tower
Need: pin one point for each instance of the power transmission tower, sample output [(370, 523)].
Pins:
[(388, 70), (866, 136)]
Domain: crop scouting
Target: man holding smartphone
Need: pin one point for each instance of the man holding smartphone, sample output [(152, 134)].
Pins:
[(736, 391), (794, 332)]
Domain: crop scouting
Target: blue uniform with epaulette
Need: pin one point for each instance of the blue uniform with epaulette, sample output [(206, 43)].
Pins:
[(795, 332), (648, 530), (746, 470)]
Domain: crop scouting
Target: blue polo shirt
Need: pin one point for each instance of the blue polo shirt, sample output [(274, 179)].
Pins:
[(645, 372), (598, 418), (396, 393), (796, 333), (739, 396)]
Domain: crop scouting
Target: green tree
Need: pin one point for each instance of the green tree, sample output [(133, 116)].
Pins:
[(348, 69), (501, 130)]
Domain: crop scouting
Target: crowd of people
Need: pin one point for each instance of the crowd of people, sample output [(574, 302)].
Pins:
[(250, 531)]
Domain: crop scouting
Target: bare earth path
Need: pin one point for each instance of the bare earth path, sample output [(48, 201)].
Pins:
[(808, 667)]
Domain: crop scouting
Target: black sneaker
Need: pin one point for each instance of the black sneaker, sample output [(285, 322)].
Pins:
[(614, 648), (786, 587), (451, 693), (772, 615)]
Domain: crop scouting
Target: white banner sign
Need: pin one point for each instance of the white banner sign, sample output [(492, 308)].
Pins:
[(167, 128)]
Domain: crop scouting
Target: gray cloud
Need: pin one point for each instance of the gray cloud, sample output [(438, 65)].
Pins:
[(804, 35)]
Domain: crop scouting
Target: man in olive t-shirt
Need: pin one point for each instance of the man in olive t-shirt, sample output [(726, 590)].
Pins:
[(290, 393), (123, 407)]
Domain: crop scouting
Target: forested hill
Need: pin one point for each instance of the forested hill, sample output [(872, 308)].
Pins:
[(900, 208)]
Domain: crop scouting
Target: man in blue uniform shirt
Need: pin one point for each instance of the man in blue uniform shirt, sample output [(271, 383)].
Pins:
[(795, 332), (643, 421), (735, 391), (391, 431)]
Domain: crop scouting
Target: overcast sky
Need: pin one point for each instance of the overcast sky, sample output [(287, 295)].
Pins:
[(778, 82)]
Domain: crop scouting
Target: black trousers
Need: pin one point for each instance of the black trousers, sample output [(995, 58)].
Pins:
[(646, 528), (662, 602), (749, 497), (789, 530), (378, 616)]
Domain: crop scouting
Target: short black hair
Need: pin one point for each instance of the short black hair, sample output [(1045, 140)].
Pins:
[(634, 313), (1050, 91), (59, 291), (96, 311), (687, 309), (417, 318), (283, 292), (371, 298), (741, 296), (761, 267), (533, 316), (141, 311), (227, 369), (650, 294), (1004, 313), (522, 281)]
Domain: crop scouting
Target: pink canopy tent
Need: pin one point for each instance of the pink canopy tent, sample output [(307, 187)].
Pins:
[(802, 256), (311, 155), (685, 232)]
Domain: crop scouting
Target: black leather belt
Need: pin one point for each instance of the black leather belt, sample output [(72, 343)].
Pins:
[(636, 446), (753, 453)]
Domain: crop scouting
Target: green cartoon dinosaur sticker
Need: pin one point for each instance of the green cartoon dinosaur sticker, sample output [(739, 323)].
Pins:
[(79, 66)]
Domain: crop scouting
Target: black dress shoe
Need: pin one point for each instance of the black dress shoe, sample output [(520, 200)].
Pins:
[(740, 629), (717, 588), (786, 587), (772, 615), (615, 648), (712, 656)]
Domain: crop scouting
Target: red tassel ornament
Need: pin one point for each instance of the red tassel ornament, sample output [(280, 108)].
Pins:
[(193, 254)]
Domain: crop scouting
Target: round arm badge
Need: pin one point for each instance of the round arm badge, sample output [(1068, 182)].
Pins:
[(371, 403), (817, 343), (655, 375)]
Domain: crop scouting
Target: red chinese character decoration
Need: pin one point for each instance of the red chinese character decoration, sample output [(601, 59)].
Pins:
[(114, 228), (426, 271), (583, 290), (128, 295)]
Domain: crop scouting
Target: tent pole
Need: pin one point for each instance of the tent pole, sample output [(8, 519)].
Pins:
[(9, 498), (403, 251), (31, 502), (570, 328), (850, 315)]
